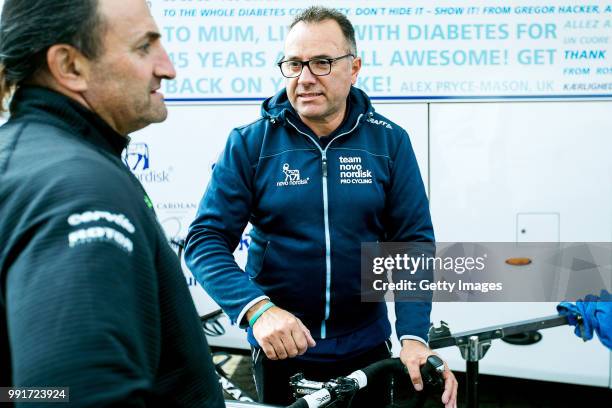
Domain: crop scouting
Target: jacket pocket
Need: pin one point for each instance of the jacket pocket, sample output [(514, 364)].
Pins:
[(256, 255)]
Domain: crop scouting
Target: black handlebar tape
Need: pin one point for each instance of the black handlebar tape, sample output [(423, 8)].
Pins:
[(389, 365), (300, 403)]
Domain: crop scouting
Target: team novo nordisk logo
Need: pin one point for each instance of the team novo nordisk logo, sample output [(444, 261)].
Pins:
[(352, 172), (292, 177)]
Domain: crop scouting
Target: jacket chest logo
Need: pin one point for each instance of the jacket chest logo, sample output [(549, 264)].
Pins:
[(291, 177), (352, 171)]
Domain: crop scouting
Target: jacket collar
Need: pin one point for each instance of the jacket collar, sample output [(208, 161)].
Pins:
[(47, 106)]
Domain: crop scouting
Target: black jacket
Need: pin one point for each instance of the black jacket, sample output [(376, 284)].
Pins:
[(91, 295)]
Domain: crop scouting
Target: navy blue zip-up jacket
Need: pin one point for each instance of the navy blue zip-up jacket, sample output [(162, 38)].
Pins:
[(311, 207)]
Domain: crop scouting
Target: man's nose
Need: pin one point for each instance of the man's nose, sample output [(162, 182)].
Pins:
[(306, 77), (164, 68)]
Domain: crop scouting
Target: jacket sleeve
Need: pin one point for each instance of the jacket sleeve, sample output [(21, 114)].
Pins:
[(409, 220), (73, 315), (215, 233)]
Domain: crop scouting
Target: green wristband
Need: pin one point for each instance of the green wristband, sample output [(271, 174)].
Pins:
[(258, 313)]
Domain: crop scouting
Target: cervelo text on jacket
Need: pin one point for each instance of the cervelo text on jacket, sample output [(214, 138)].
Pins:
[(310, 208)]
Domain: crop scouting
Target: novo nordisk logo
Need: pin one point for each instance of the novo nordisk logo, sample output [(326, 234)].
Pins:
[(136, 157), (292, 177)]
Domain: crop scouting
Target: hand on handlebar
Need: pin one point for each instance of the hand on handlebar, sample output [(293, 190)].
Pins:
[(280, 334), (413, 355)]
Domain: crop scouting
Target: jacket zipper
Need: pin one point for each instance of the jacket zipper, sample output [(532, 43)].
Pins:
[(326, 219)]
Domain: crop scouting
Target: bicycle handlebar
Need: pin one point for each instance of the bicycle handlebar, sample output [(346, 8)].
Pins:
[(389, 365), (301, 403), (348, 385)]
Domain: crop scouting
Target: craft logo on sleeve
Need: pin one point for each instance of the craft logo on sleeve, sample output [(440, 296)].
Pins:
[(380, 123)]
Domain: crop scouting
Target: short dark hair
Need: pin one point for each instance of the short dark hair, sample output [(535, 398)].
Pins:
[(29, 27), (317, 14)]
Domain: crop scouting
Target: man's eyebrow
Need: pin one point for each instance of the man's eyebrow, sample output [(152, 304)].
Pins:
[(294, 58), (150, 35)]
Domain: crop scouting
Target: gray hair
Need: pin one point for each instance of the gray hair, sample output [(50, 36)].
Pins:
[(317, 14)]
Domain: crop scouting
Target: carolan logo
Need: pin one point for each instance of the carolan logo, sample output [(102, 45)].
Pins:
[(176, 206), (292, 177), (137, 157)]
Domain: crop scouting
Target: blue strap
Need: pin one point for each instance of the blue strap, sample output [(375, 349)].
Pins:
[(258, 313)]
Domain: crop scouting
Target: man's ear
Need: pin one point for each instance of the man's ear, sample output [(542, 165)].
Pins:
[(355, 68), (68, 67)]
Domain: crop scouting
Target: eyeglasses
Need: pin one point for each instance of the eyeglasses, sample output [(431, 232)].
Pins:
[(317, 66)]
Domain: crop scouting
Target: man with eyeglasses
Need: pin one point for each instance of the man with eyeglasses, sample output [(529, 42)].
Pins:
[(316, 176)]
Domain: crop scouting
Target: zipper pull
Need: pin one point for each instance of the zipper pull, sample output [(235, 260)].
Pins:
[(324, 166)]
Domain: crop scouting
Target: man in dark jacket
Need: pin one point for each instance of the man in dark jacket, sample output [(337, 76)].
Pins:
[(91, 296), (316, 176)]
